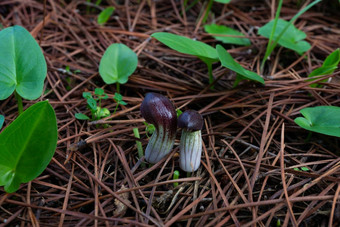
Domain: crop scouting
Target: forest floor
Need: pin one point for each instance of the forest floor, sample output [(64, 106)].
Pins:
[(250, 171)]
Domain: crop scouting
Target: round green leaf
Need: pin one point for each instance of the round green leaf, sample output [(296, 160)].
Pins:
[(27, 146), (22, 64), (117, 64)]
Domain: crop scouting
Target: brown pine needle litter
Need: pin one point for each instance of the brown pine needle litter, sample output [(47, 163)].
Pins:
[(251, 168)]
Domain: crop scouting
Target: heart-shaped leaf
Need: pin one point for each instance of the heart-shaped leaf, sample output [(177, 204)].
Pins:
[(117, 64), (228, 62), (22, 64), (291, 39), (27, 146), (186, 46), (216, 30), (321, 119)]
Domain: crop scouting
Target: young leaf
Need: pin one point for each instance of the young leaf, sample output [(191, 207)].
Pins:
[(293, 38), (99, 91), (27, 146), (178, 112), (102, 112), (304, 168), (117, 64), (224, 30), (104, 16), (87, 95), (2, 120), (22, 64), (329, 65), (186, 46), (81, 116), (223, 1), (92, 104), (321, 119), (228, 62), (119, 99)]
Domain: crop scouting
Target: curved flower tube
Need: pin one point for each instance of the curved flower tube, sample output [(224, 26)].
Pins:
[(159, 111), (191, 140)]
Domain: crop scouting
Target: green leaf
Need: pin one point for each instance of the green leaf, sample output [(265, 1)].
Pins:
[(99, 91), (2, 120), (224, 30), (329, 65), (150, 128), (102, 112), (178, 112), (321, 119), (87, 95), (27, 146), (92, 104), (186, 46), (117, 64), (223, 1), (293, 38), (304, 168), (104, 16), (81, 116), (22, 64), (228, 62), (118, 97)]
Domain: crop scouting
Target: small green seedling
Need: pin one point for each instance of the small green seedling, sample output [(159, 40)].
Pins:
[(175, 177), (27, 145), (104, 16), (22, 65), (224, 33), (321, 119), (119, 100), (329, 65), (2, 120), (303, 168), (188, 46), (97, 112), (117, 64), (242, 74), (274, 36)]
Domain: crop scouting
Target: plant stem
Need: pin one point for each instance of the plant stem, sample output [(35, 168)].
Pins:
[(271, 35), (19, 100), (139, 146), (118, 87), (175, 177), (211, 77), (206, 13)]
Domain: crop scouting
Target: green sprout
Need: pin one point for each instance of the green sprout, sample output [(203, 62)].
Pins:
[(97, 112), (175, 177)]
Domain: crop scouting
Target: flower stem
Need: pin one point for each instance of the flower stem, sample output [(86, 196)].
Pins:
[(19, 100)]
